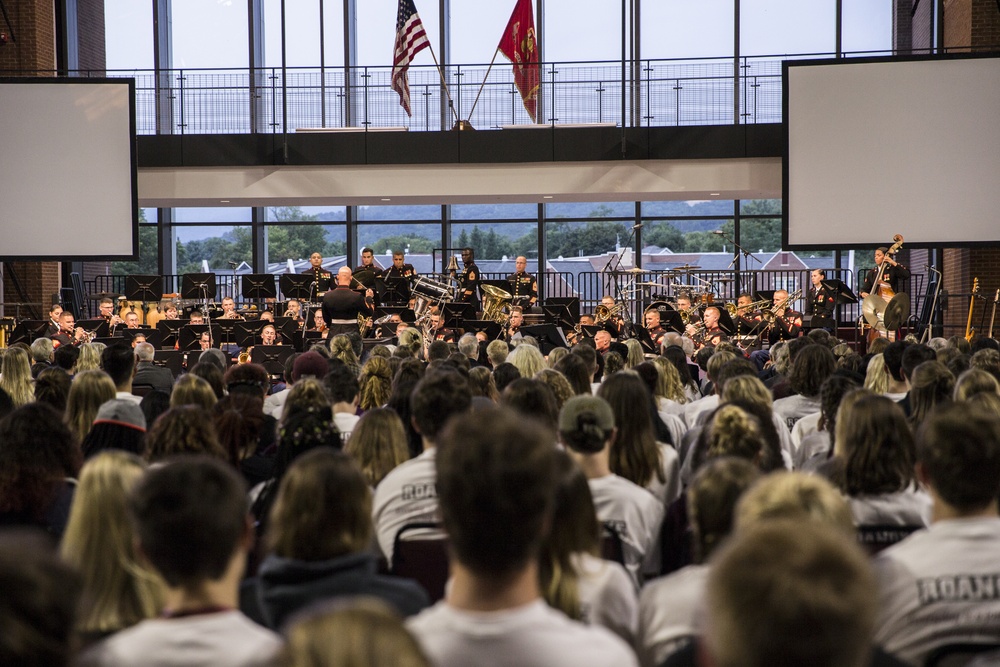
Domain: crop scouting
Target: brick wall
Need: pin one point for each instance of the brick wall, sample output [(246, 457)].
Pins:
[(957, 24), (34, 28), (985, 25)]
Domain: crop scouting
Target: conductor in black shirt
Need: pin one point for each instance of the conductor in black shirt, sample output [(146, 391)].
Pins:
[(342, 305)]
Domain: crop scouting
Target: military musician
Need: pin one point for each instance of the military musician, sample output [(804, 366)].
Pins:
[(523, 285), (787, 322), (321, 277), (343, 305)]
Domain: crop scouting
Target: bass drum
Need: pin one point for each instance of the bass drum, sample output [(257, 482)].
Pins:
[(660, 306)]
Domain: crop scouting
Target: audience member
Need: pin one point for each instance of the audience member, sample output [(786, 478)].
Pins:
[(378, 444), (344, 391), (149, 374), (179, 431), (52, 387), (190, 517), (118, 361), (87, 393), (15, 377), (494, 611), (119, 424)]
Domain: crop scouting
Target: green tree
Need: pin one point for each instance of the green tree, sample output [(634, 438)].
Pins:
[(583, 239), (417, 244), (665, 235)]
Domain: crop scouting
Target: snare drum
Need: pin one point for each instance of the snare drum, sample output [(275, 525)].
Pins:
[(427, 292)]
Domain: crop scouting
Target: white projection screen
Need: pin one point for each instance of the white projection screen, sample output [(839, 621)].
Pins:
[(879, 147), (68, 169)]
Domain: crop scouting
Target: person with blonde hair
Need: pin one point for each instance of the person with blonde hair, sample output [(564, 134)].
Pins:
[(88, 391), (89, 359), (342, 348), (797, 497), (975, 381), (378, 444), (375, 383), (670, 394), (558, 383), (527, 359), (574, 578), (356, 632), (877, 376), (119, 590), (635, 353), (318, 534), (191, 389), (931, 384), (15, 377), (481, 383)]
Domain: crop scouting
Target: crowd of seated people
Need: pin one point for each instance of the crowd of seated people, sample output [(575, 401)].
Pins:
[(481, 503)]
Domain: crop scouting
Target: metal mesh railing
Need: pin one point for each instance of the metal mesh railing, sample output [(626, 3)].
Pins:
[(706, 91)]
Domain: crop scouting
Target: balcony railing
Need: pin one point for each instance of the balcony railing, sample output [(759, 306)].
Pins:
[(706, 91)]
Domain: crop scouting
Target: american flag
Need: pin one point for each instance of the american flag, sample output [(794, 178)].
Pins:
[(410, 40)]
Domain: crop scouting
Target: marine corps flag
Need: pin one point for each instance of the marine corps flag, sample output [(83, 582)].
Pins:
[(519, 45)]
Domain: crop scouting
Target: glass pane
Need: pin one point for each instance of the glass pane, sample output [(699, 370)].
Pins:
[(591, 210), (212, 214), (676, 237), (302, 44), (377, 32), (291, 242), (682, 29), (688, 209), (867, 26), (476, 28), (200, 29), (304, 213), (212, 249), (583, 239), (147, 263), (493, 241), (777, 27), (760, 235), (388, 213), (417, 241), (580, 30), (494, 211), (760, 207), (128, 34)]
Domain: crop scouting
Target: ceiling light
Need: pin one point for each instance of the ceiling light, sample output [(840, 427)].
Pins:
[(546, 196), (223, 201), (713, 194), (386, 199)]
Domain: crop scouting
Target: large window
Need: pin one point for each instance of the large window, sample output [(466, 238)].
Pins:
[(682, 29), (867, 26), (128, 30), (214, 249), (778, 27), (294, 233), (210, 33)]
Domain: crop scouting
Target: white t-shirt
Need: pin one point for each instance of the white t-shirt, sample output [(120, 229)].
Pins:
[(636, 514), (693, 411), (940, 586), (128, 396), (533, 634), (408, 494), (607, 596), (668, 490), (668, 608), (345, 422), (670, 407), (793, 408), (221, 639), (814, 444), (274, 404), (805, 426)]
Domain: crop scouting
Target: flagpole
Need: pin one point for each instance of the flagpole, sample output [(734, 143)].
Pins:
[(451, 103), (483, 84)]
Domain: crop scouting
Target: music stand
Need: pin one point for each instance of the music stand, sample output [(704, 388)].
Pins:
[(225, 330), (170, 359), (143, 288), (299, 286), (725, 320), (248, 333), (271, 357), (98, 325), (454, 313), (489, 327), (571, 303), (841, 292), (393, 290), (671, 320), (152, 336), (169, 331), (645, 340), (197, 286), (589, 330), (559, 314), (286, 328), (258, 286), (549, 336), (191, 335), (27, 331)]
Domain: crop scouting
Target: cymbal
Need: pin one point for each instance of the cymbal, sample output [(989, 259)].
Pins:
[(897, 311), (686, 267), (871, 308), (652, 285), (103, 295)]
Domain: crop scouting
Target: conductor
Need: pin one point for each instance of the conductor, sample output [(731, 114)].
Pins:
[(343, 305)]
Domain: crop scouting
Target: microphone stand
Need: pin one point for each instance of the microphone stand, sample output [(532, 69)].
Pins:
[(614, 265)]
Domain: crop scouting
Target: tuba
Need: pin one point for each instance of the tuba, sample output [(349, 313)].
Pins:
[(494, 301)]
